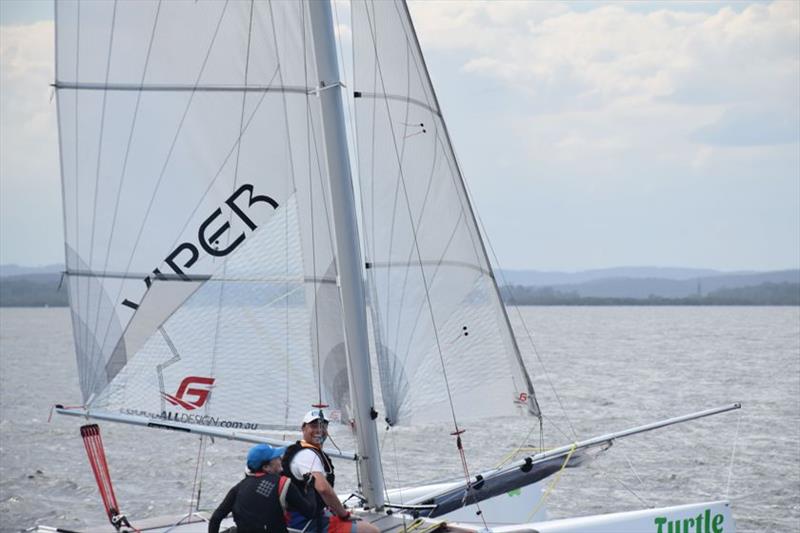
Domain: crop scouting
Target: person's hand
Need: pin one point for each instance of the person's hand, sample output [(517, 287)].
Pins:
[(348, 517)]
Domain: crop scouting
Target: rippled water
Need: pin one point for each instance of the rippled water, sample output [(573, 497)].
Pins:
[(596, 370)]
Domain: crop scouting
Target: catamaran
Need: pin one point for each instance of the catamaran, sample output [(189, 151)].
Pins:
[(213, 230)]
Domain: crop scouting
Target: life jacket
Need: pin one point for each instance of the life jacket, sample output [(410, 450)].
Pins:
[(260, 503), (294, 449)]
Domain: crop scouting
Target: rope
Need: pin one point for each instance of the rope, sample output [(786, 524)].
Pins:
[(415, 526), (553, 483), (97, 460), (197, 482), (626, 487), (512, 454), (733, 454)]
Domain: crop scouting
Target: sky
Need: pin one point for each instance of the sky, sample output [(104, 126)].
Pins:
[(590, 134)]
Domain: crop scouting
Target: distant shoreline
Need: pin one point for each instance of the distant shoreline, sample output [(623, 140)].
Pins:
[(635, 303), (765, 289)]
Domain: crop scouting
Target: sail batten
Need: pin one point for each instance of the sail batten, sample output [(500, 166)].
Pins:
[(200, 88)]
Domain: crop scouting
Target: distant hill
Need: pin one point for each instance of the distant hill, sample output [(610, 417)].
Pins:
[(32, 290), (538, 278), (644, 283), (16, 270), (671, 288), (37, 286), (763, 294)]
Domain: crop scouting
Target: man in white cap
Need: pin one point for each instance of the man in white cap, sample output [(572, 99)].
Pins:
[(305, 459), (260, 500)]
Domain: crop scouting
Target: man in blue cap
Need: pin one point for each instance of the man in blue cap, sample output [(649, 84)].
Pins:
[(260, 500)]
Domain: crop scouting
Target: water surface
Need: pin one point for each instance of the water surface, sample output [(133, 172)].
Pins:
[(596, 370)]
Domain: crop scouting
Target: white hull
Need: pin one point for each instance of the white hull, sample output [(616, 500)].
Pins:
[(707, 517)]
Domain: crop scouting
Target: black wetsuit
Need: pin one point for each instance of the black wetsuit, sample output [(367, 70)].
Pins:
[(256, 506)]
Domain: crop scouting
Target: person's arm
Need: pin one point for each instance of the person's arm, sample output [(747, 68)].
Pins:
[(222, 511), (328, 495), (303, 502)]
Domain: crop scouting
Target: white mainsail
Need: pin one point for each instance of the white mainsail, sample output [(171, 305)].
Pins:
[(197, 225), (201, 262), (439, 322)]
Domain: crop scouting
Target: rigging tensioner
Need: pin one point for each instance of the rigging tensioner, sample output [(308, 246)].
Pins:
[(97, 459)]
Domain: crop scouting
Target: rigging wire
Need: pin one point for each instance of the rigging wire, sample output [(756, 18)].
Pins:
[(222, 283), (397, 471), (309, 135), (515, 306), (312, 137), (401, 181), (733, 455), (163, 171), (124, 169), (628, 488), (80, 338), (197, 482), (100, 138)]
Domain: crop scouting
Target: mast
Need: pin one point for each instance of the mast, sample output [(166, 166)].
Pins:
[(348, 251)]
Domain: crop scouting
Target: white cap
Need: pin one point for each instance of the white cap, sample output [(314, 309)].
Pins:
[(314, 414)]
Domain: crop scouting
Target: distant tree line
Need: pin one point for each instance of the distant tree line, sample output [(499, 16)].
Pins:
[(764, 294), (40, 290), (43, 290)]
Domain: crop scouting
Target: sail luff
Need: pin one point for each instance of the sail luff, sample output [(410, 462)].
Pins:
[(349, 252), (65, 277)]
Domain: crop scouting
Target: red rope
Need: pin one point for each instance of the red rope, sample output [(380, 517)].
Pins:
[(97, 460)]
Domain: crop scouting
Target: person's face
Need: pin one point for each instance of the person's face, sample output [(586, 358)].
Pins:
[(274, 466), (315, 432)]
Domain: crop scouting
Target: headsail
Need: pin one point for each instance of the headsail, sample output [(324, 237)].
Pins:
[(198, 234), (436, 310)]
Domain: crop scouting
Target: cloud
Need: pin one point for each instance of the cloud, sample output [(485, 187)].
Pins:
[(596, 58), (26, 56), (30, 198)]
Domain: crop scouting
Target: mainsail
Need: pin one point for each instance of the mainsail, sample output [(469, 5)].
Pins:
[(201, 259), (439, 323), (200, 266)]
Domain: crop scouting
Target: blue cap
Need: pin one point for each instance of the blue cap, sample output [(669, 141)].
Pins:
[(261, 454)]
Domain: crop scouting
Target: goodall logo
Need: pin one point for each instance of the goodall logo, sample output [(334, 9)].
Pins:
[(192, 393)]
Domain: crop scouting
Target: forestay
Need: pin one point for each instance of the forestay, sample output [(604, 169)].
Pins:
[(439, 325), (200, 269)]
